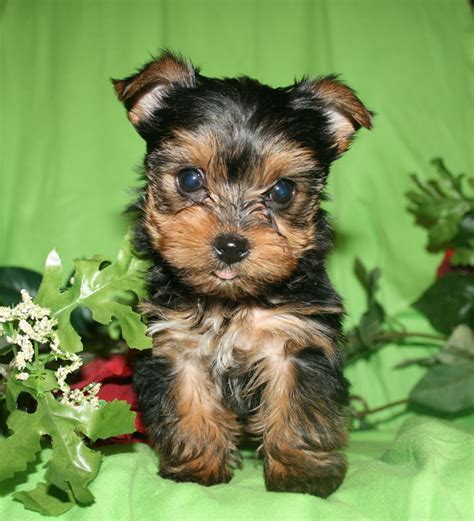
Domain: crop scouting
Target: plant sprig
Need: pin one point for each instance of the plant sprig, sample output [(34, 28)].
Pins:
[(444, 206), (37, 334)]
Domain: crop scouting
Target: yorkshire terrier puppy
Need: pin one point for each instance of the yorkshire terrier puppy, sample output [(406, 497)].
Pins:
[(246, 325)]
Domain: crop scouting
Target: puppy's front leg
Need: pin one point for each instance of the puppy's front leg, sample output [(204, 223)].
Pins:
[(194, 434), (302, 421)]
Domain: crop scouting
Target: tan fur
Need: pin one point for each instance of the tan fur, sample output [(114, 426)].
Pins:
[(222, 340), (250, 334), (185, 236), (209, 431)]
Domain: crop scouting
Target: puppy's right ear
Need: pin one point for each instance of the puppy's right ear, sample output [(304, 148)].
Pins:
[(144, 92)]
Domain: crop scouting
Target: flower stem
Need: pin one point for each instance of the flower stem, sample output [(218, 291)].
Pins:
[(366, 410), (398, 335)]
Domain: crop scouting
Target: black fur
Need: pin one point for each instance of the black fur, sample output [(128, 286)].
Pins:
[(244, 114)]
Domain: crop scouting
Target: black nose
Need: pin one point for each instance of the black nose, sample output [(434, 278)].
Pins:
[(231, 248)]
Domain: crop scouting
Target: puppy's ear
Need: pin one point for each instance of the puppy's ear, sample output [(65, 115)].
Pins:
[(345, 111), (145, 91)]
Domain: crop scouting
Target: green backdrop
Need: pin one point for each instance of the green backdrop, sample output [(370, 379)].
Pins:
[(67, 159)]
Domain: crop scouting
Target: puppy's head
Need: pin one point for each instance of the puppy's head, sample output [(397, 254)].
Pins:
[(235, 170)]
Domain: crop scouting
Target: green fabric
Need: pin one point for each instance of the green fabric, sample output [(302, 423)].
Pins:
[(425, 471), (67, 155)]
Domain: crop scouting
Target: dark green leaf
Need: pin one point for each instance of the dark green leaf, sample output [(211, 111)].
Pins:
[(466, 230), (13, 280), (463, 257), (46, 499), (446, 388), (459, 348), (371, 324), (449, 302)]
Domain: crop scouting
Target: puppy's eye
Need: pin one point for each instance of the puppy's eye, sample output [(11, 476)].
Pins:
[(190, 180), (282, 192)]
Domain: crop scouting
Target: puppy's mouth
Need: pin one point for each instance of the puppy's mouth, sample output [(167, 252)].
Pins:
[(225, 274)]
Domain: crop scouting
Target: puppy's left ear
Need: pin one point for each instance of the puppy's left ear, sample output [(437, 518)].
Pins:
[(345, 111)]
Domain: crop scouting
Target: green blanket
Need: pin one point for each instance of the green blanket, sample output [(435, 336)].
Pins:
[(67, 156), (425, 473)]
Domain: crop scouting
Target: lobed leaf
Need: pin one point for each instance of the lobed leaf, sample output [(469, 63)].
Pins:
[(112, 419), (20, 448), (98, 286), (46, 500), (73, 465)]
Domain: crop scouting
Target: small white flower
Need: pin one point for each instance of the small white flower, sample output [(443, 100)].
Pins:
[(5, 314), (35, 324), (19, 361)]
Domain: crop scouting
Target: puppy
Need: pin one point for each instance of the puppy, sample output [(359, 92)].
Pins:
[(246, 325)]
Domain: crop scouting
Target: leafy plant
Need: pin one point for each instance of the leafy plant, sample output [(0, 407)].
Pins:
[(445, 207), (39, 353), (448, 384), (376, 328)]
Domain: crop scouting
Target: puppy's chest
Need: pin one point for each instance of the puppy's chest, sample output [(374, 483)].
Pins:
[(227, 341)]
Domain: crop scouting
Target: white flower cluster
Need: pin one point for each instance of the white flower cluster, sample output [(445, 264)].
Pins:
[(36, 325), (70, 396)]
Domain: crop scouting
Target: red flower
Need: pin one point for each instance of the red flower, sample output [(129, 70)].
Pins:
[(445, 267), (115, 375)]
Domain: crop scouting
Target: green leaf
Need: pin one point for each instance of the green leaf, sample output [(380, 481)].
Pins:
[(46, 500), (13, 280), (112, 419), (465, 236), (368, 279), (18, 450), (13, 388), (459, 348), (446, 388), (364, 339), (449, 302), (73, 465), (371, 324), (463, 257), (441, 206), (43, 382), (99, 286)]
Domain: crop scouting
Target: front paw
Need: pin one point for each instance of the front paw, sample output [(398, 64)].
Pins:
[(319, 474), (206, 473)]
